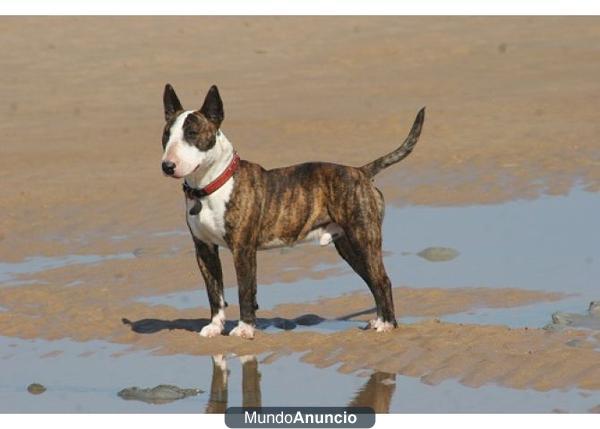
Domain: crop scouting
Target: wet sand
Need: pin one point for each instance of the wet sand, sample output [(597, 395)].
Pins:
[(511, 113), (432, 351), (88, 313)]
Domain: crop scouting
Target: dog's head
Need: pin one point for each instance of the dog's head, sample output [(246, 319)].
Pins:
[(189, 135)]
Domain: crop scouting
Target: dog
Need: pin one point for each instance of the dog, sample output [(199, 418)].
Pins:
[(239, 205)]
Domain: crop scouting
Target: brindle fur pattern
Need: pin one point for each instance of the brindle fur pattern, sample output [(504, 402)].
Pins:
[(207, 256), (285, 204)]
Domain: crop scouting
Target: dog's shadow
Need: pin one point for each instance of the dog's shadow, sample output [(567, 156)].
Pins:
[(150, 326)]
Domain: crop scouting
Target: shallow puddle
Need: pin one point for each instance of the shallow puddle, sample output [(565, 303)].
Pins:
[(548, 244), (9, 271), (86, 377)]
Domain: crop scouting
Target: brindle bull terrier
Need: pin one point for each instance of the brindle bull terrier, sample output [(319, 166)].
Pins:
[(239, 205)]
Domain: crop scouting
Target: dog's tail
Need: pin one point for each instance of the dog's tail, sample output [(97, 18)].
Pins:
[(372, 168)]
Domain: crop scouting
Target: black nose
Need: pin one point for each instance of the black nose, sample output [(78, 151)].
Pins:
[(168, 167)]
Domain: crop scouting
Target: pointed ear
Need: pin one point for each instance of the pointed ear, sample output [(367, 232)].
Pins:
[(212, 108), (170, 102)]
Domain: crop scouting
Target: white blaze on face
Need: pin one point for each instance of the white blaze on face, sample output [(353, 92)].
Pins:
[(185, 156)]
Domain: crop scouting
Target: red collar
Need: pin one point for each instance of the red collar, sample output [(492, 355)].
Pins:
[(193, 193)]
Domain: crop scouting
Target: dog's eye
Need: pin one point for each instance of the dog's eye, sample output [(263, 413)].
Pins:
[(165, 139)]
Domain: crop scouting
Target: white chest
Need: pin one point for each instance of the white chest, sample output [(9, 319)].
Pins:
[(209, 225)]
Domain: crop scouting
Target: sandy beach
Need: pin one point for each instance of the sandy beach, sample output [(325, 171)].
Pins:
[(90, 226)]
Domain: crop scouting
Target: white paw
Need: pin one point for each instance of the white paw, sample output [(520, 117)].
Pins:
[(380, 326), (384, 327), (243, 330), (211, 330), (374, 323)]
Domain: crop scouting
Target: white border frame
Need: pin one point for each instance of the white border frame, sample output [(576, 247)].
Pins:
[(217, 421), (300, 7)]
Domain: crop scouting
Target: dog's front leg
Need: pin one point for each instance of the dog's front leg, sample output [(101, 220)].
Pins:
[(245, 268), (209, 263)]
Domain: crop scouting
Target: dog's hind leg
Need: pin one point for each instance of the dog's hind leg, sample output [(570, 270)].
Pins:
[(209, 263), (370, 268), (342, 245), (380, 285), (361, 218)]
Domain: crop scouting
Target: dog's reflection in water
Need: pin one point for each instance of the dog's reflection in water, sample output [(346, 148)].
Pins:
[(251, 397), (376, 393)]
